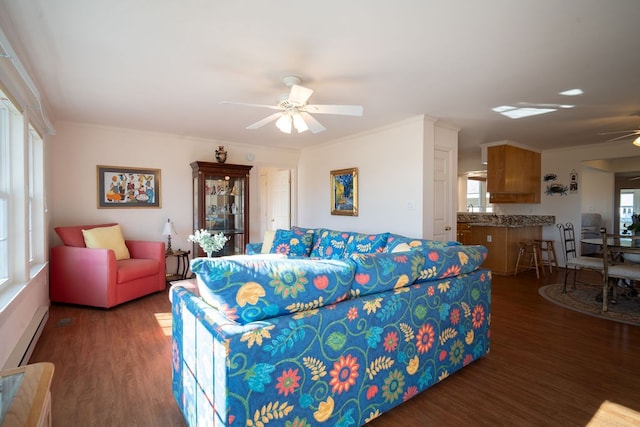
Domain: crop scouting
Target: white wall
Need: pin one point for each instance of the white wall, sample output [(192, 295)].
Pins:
[(78, 149), (597, 195), (390, 177), (595, 191)]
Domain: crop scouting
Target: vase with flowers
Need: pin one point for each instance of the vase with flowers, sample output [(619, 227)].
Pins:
[(634, 227), (209, 243)]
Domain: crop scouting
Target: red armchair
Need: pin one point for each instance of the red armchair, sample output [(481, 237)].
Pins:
[(85, 276)]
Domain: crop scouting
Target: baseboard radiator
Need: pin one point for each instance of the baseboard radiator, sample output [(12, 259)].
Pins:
[(24, 348)]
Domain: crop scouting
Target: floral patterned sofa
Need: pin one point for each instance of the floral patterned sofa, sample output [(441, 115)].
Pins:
[(336, 336)]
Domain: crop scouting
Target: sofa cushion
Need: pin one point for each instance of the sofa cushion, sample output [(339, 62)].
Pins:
[(107, 238), (294, 242), (381, 272), (360, 243), (398, 243), (136, 268), (330, 244), (449, 261), (72, 235), (255, 287)]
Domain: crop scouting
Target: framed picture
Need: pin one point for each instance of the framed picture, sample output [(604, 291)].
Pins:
[(122, 187), (344, 192)]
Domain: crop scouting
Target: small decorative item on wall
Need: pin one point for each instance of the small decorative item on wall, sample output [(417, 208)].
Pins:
[(221, 154), (123, 187), (573, 184), (344, 192), (554, 187)]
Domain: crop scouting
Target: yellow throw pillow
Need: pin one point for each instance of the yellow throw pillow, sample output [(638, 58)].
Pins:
[(267, 241), (107, 238)]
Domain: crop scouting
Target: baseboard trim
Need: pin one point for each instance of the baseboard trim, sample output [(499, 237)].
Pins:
[(26, 344)]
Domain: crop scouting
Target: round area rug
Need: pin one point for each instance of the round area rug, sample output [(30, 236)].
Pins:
[(583, 300)]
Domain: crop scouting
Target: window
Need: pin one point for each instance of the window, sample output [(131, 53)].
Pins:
[(36, 223), (477, 196), (4, 191), (22, 218)]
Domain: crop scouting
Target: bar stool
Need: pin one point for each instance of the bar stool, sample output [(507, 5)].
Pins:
[(529, 249), (547, 254)]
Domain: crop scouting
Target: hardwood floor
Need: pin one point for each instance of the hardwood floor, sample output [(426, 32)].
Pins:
[(547, 366)]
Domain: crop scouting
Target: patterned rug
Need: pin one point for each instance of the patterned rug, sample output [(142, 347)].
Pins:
[(583, 300)]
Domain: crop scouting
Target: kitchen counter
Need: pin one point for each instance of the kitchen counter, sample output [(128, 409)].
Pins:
[(496, 220), (501, 235)]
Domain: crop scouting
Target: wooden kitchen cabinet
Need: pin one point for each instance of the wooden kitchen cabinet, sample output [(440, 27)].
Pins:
[(464, 233), (502, 243), (513, 174)]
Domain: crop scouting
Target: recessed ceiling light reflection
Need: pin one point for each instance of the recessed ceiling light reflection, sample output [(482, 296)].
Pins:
[(572, 92)]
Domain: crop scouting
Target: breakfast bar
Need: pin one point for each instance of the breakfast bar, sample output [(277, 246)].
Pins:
[(502, 234)]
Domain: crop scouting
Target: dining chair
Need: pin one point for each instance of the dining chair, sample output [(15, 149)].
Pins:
[(572, 260), (615, 269)]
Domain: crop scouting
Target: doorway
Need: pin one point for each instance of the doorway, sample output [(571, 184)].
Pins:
[(275, 199)]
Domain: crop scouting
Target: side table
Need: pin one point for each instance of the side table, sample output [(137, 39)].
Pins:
[(182, 267), (26, 396)]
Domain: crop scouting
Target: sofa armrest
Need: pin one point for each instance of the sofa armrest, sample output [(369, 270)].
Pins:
[(83, 276), (253, 248)]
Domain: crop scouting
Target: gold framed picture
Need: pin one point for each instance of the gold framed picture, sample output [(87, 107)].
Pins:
[(344, 192), (123, 187)]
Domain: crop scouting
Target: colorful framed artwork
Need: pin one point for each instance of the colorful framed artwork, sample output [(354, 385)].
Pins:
[(123, 187), (344, 192)]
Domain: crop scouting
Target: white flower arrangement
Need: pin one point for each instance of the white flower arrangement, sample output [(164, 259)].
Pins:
[(209, 243)]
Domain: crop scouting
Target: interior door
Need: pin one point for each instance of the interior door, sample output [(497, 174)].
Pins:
[(280, 199), (444, 176)]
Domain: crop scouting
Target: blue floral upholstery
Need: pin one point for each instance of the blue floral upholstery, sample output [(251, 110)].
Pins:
[(359, 243), (340, 365), (253, 248), (249, 288), (294, 242), (362, 325), (381, 272), (449, 261), (330, 244), (398, 243)]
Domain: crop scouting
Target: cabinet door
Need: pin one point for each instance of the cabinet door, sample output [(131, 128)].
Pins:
[(513, 175)]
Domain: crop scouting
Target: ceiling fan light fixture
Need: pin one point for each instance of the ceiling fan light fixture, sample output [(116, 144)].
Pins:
[(299, 123), (636, 142), (284, 123)]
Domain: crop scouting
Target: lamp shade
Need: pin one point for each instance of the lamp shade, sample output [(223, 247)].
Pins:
[(284, 123), (169, 229), (637, 142)]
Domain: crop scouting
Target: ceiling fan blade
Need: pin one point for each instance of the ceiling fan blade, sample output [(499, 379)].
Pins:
[(264, 121), (629, 131), (345, 110), (273, 107), (629, 135), (634, 178), (299, 95), (314, 125)]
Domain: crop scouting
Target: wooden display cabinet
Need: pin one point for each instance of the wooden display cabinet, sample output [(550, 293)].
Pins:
[(221, 204)]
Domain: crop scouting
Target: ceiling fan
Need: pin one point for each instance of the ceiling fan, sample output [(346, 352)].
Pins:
[(295, 110), (626, 134)]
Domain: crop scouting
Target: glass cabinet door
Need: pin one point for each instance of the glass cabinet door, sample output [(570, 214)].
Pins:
[(224, 209), (221, 203)]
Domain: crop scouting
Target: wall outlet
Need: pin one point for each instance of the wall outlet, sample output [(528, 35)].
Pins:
[(489, 238)]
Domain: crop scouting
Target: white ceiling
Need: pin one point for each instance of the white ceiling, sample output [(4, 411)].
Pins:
[(165, 65)]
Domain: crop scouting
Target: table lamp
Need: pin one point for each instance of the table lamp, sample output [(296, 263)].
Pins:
[(169, 230)]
